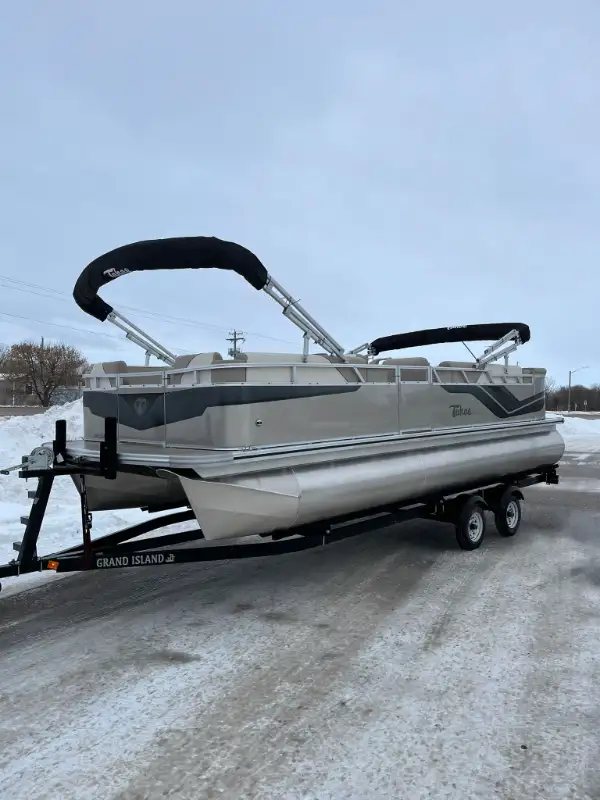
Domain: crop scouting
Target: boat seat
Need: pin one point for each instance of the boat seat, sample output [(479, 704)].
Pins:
[(370, 373), (416, 361), (195, 361), (452, 372), (458, 364), (347, 373), (408, 371), (100, 374), (109, 367), (228, 374), (121, 368), (350, 359), (501, 374), (455, 371), (105, 374), (181, 362)]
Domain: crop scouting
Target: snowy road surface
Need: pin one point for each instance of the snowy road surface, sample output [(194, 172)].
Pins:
[(388, 666)]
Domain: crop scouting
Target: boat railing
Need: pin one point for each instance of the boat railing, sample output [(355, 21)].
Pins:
[(166, 377)]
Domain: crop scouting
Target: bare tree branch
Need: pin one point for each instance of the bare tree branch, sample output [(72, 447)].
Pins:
[(47, 368)]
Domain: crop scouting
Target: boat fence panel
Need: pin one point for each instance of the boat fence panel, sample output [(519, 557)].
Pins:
[(237, 372), (387, 371), (460, 375)]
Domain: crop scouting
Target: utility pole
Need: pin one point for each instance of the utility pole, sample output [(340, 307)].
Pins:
[(234, 338)]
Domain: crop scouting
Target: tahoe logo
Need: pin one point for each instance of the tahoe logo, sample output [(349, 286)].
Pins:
[(115, 273), (460, 411)]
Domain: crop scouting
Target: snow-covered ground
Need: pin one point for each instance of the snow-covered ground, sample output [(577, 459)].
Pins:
[(19, 435), (386, 666), (582, 436)]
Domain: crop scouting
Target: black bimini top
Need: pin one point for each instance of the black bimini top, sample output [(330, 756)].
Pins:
[(461, 333), (189, 252)]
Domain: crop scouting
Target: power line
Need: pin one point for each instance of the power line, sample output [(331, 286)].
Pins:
[(60, 295), (121, 340), (57, 325)]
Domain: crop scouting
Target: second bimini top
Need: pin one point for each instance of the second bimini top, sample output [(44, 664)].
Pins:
[(460, 333)]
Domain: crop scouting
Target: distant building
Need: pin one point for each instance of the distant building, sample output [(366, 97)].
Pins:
[(20, 393), (16, 393)]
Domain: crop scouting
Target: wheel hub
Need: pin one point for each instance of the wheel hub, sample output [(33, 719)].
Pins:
[(475, 526), (512, 514)]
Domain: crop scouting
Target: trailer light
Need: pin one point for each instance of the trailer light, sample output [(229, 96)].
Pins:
[(53, 565)]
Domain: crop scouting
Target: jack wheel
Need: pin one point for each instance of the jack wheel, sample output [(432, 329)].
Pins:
[(508, 514), (470, 524)]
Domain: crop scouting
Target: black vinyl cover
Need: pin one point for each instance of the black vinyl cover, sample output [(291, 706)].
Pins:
[(461, 333), (189, 252)]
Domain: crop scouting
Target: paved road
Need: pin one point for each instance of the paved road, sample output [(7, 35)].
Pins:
[(389, 666)]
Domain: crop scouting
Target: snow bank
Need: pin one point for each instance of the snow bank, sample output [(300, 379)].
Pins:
[(581, 435), (19, 435)]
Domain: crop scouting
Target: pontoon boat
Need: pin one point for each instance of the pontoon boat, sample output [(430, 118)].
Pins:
[(265, 442)]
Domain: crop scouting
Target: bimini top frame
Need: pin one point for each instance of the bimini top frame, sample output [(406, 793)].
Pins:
[(508, 336), (191, 252)]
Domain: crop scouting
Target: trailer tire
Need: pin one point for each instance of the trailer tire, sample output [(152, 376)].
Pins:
[(508, 513), (471, 523)]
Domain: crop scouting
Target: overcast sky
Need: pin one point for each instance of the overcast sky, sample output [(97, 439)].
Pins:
[(395, 165)]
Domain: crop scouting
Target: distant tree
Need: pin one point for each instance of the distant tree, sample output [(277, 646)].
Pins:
[(550, 387), (583, 398), (46, 369)]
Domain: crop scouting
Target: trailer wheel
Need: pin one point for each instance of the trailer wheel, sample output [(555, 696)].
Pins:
[(508, 514), (470, 524)]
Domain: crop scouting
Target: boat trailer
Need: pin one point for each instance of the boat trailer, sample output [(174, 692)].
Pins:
[(464, 509)]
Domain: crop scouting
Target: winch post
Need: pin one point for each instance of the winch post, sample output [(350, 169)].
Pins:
[(28, 549), (108, 449), (59, 445), (86, 522)]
